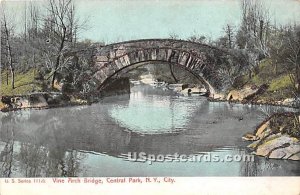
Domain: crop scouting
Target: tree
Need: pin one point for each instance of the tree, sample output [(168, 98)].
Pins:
[(228, 74), (173, 36), (33, 36), (61, 28), (229, 30), (277, 47), (254, 31), (7, 33), (197, 38), (293, 57)]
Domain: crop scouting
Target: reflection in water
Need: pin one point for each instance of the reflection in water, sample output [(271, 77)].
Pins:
[(94, 140), (154, 114)]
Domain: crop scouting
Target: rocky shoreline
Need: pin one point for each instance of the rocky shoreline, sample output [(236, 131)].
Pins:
[(278, 137), (41, 100), (250, 94), (278, 104)]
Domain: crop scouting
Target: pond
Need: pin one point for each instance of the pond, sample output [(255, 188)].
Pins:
[(123, 135)]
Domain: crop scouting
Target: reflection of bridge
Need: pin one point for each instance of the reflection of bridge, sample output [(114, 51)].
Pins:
[(201, 60)]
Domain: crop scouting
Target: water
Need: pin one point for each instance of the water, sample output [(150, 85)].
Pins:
[(96, 140)]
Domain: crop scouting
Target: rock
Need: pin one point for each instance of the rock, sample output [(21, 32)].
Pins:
[(280, 145), (21, 102), (3, 107), (77, 100), (289, 102), (260, 132), (218, 96), (287, 152), (234, 95), (195, 90), (177, 89), (279, 153), (261, 102), (186, 91), (273, 142), (250, 137), (173, 86), (295, 157), (254, 144), (37, 101), (57, 99), (28, 101), (6, 100), (246, 93)]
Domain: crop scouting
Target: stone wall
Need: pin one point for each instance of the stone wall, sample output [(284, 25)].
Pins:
[(35, 100)]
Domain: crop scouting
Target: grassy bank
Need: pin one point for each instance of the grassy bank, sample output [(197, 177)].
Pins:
[(280, 85), (24, 83)]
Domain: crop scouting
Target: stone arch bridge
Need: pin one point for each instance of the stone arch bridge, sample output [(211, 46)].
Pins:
[(201, 60)]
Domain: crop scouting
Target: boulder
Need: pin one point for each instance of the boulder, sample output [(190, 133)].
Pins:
[(289, 152), (218, 96), (290, 102), (250, 137), (234, 95), (278, 146), (3, 107), (26, 101), (295, 157), (20, 102), (275, 142), (246, 93), (254, 144), (261, 130), (177, 89)]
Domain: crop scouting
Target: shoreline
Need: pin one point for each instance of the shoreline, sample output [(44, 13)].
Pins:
[(252, 103), (40, 101), (81, 102), (264, 133), (277, 137)]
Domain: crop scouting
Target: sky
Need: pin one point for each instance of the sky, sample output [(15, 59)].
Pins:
[(121, 20)]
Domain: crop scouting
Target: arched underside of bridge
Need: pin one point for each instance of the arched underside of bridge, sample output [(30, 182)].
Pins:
[(181, 58), (128, 68)]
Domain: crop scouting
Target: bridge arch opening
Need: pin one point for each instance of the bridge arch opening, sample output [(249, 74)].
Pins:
[(165, 69)]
